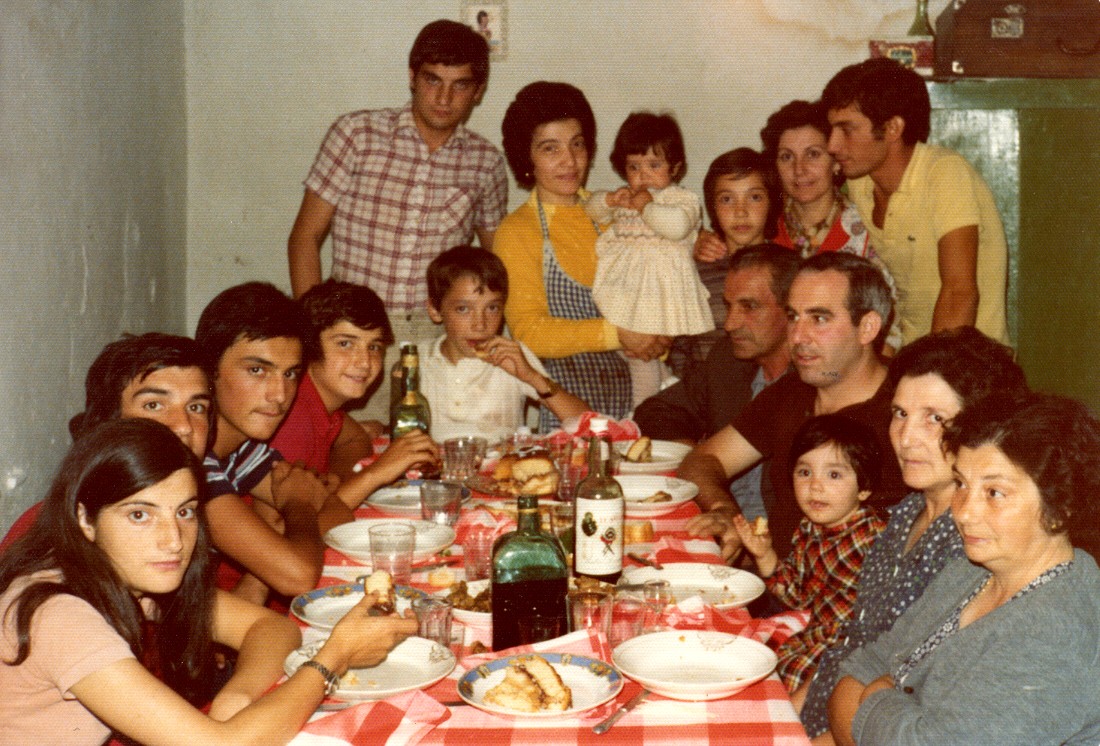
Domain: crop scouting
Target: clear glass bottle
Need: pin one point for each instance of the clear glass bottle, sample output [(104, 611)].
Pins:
[(921, 26), (599, 509), (412, 412), (530, 578)]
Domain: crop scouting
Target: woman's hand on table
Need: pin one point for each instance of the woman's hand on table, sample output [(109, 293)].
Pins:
[(360, 640), (717, 523), (643, 346), (709, 247)]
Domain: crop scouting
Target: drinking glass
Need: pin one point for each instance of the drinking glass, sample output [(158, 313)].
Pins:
[(477, 552), (591, 610), (391, 549), (658, 595), (628, 619), (440, 502), (433, 619), (460, 458)]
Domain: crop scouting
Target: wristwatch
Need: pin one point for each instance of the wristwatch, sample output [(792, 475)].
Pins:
[(552, 389), (332, 681)]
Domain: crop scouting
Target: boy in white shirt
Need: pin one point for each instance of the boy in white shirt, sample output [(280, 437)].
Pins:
[(477, 381)]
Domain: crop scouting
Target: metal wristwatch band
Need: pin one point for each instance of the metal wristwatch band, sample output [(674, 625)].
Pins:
[(332, 681)]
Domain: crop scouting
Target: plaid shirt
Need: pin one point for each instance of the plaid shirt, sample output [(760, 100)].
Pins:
[(822, 575), (398, 206)]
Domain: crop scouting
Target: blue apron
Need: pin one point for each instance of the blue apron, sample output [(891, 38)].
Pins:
[(600, 378)]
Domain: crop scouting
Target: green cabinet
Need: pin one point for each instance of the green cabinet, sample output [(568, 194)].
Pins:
[(1037, 142)]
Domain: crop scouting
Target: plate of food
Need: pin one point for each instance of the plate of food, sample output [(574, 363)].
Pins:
[(324, 607), (515, 475), (352, 539), (721, 586), (415, 663), (650, 495), (470, 601), (540, 685), (403, 500), (694, 665), (646, 456)]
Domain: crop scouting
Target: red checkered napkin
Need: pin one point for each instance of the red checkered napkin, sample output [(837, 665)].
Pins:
[(694, 613), (619, 429), (669, 549), (401, 719)]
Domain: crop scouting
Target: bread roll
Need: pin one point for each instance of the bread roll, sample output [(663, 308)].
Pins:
[(640, 451), (380, 585), (637, 532), (760, 526)]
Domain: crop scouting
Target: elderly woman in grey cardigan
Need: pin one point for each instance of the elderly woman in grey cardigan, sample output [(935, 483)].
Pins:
[(1004, 646)]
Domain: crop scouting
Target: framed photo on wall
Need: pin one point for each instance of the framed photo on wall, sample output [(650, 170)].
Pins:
[(490, 19)]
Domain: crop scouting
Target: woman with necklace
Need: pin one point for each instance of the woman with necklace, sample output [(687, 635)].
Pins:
[(1002, 647), (548, 246), (934, 379)]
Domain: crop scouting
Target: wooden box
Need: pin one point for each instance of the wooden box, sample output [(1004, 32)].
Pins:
[(1019, 39)]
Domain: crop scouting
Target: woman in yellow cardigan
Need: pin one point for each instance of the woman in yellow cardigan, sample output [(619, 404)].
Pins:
[(548, 246)]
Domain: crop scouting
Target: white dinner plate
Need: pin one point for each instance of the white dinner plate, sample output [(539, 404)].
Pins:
[(694, 665), (353, 540), (324, 607), (473, 618), (638, 487), (403, 501), (667, 455), (592, 682), (414, 664), (721, 586)]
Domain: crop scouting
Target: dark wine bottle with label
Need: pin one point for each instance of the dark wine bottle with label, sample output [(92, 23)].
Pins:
[(599, 509)]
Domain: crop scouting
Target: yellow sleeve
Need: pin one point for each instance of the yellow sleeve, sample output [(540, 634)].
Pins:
[(518, 243)]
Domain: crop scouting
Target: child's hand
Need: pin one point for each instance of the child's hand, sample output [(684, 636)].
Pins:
[(639, 199), (506, 354), (709, 247), (618, 198), (756, 544), (414, 449)]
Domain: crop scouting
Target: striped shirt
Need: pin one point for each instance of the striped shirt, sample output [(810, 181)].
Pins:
[(397, 205), (240, 471)]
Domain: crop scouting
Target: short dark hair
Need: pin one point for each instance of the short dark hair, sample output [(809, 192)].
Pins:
[(739, 163), (251, 311), (110, 463), (1055, 440), (793, 116), (450, 43), (867, 287), (537, 104), (855, 440), (642, 131), (125, 360), (334, 301), (781, 262), (462, 261), (881, 88), (972, 364)]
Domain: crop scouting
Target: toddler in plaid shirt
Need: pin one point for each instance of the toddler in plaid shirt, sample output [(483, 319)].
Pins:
[(835, 467)]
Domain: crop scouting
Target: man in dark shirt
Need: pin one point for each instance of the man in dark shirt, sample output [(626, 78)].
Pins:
[(838, 312)]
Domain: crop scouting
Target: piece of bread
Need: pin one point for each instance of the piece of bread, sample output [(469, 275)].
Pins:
[(503, 469), (535, 475), (637, 532), (640, 451), (518, 691), (556, 696), (443, 577), (658, 497), (380, 584), (760, 526)]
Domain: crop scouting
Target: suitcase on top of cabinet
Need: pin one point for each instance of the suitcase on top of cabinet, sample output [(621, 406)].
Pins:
[(1019, 39)]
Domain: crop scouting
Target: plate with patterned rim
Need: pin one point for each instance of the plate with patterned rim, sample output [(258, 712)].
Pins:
[(591, 681), (324, 607), (415, 663), (721, 586)]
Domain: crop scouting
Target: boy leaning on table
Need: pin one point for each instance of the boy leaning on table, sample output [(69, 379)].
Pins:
[(347, 332), (477, 381)]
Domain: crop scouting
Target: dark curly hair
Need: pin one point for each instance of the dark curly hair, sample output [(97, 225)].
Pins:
[(537, 104), (334, 301), (971, 363), (855, 440), (642, 131), (1056, 440), (793, 116), (450, 43)]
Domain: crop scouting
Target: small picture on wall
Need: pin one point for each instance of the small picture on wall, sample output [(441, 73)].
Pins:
[(491, 21)]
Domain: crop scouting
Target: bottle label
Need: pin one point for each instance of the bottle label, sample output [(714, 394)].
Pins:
[(599, 536)]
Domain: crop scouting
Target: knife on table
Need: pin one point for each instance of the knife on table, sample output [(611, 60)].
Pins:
[(605, 725)]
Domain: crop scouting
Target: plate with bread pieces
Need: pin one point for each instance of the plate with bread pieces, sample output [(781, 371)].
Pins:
[(649, 495), (415, 663), (694, 665), (403, 500), (514, 474), (322, 608), (540, 685), (353, 539), (646, 456), (721, 586)]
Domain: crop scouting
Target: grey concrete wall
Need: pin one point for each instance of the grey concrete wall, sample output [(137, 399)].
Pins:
[(92, 208)]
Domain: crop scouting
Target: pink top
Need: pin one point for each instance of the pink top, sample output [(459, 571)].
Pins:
[(69, 640), (308, 432)]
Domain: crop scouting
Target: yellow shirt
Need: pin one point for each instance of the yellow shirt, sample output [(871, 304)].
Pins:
[(518, 243), (939, 192)]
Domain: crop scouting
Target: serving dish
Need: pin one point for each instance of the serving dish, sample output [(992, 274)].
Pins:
[(638, 487)]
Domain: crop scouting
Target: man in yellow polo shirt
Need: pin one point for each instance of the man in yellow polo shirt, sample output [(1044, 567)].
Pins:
[(930, 214)]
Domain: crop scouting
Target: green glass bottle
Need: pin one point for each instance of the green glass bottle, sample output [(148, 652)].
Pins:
[(921, 26), (599, 509), (412, 411), (529, 581)]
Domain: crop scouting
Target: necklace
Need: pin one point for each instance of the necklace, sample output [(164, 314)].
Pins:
[(806, 239)]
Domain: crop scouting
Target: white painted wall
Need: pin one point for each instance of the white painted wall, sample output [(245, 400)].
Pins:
[(266, 77), (92, 208)]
